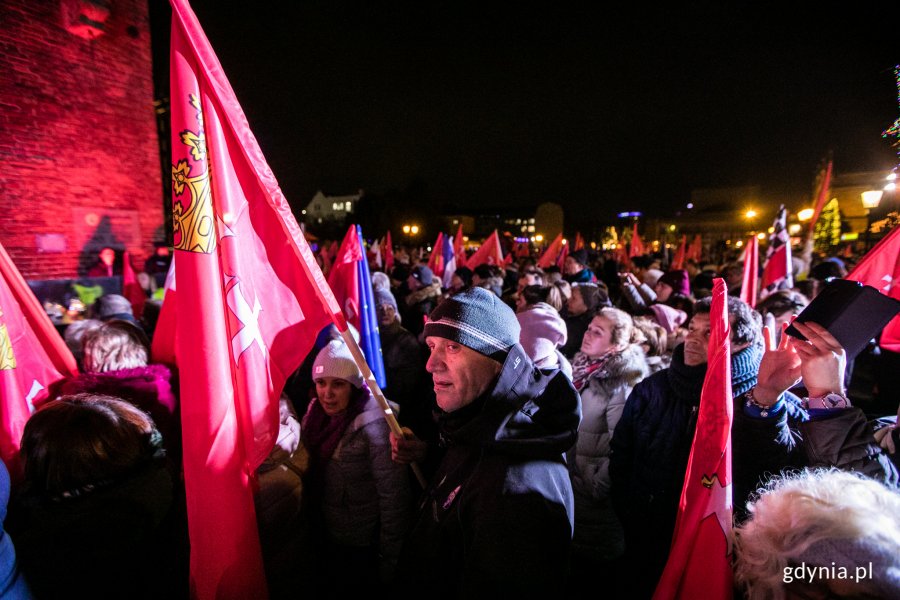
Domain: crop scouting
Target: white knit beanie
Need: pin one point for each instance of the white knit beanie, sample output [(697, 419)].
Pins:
[(335, 360)]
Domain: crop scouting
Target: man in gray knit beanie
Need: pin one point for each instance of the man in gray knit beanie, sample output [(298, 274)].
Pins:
[(499, 512)]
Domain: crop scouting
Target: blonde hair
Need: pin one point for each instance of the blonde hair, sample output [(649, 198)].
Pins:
[(115, 345), (795, 512), (623, 332)]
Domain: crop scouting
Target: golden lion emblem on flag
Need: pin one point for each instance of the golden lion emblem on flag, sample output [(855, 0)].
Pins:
[(194, 223)]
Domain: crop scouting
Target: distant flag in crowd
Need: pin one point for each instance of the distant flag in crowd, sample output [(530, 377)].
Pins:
[(621, 256), (436, 259), (31, 359), (637, 244), (778, 268), (550, 255), (880, 268), (489, 253), (250, 303), (374, 253), (521, 250), (750, 281), (162, 349), (695, 251), (449, 261), (579, 241), (824, 193), (131, 289), (459, 248), (561, 261), (678, 260), (369, 338), (699, 564), (388, 253)]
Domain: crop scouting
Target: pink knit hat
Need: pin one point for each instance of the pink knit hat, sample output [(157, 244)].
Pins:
[(543, 331), (670, 318)]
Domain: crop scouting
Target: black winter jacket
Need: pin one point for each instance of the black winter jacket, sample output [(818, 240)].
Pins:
[(497, 519)]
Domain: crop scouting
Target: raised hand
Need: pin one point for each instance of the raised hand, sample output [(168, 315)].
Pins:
[(779, 369), (823, 359)]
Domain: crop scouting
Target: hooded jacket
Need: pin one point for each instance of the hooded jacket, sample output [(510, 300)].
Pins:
[(497, 519), (598, 534)]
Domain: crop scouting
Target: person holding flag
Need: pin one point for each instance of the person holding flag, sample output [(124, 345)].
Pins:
[(652, 441)]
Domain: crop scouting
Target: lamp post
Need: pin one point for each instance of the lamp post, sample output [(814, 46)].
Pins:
[(870, 200)]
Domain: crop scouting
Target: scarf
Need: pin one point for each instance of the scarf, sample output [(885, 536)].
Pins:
[(322, 433), (585, 368)]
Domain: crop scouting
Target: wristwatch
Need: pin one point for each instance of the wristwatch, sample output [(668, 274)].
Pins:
[(829, 401)]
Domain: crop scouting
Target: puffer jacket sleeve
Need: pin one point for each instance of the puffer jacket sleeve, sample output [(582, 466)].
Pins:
[(594, 439), (392, 485), (845, 439)]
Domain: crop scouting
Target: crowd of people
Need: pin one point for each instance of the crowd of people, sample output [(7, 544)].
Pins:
[(552, 412)]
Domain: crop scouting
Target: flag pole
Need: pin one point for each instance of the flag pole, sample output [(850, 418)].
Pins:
[(389, 416)]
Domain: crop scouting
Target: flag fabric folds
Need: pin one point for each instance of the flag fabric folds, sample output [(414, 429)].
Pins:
[(551, 253), (561, 261), (750, 281), (162, 349), (459, 248), (678, 260), (778, 268), (699, 564), (637, 244), (36, 317), (489, 253), (131, 289), (880, 268), (436, 259), (251, 300), (824, 192), (388, 253), (27, 363), (351, 283), (695, 250), (579, 241), (449, 261)]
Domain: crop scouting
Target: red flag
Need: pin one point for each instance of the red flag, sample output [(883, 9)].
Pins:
[(561, 261), (344, 277), (699, 564), (696, 249), (778, 270), (162, 350), (579, 241), (750, 282), (388, 253), (678, 261), (251, 300), (824, 192), (637, 245), (622, 257), (551, 253), (459, 248), (490, 253), (880, 268), (26, 367), (436, 260), (131, 289), (36, 317)]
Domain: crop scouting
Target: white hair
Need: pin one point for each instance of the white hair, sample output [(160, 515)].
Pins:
[(796, 516)]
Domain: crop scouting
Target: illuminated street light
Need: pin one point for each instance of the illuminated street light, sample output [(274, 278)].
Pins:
[(805, 214), (750, 213), (415, 229), (539, 238), (406, 229)]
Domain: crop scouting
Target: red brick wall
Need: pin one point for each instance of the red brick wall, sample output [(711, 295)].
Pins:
[(79, 156)]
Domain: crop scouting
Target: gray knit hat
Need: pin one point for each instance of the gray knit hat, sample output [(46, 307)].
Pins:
[(477, 319), (384, 297), (335, 360)]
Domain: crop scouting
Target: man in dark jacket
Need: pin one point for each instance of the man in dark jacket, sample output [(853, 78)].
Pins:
[(497, 518), (652, 441)]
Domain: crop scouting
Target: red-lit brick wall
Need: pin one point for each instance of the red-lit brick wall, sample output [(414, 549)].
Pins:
[(79, 156)]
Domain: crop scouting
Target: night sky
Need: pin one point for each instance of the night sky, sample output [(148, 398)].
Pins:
[(477, 105)]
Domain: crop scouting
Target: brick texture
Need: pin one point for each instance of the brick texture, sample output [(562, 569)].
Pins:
[(78, 140)]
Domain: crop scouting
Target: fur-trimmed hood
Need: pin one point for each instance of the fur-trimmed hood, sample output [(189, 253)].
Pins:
[(628, 367), (429, 292)]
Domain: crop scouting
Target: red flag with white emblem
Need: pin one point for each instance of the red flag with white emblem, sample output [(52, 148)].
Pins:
[(251, 300), (699, 564), (27, 362), (344, 277), (880, 268)]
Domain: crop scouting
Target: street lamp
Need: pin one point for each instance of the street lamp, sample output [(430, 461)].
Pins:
[(805, 215), (870, 200)]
